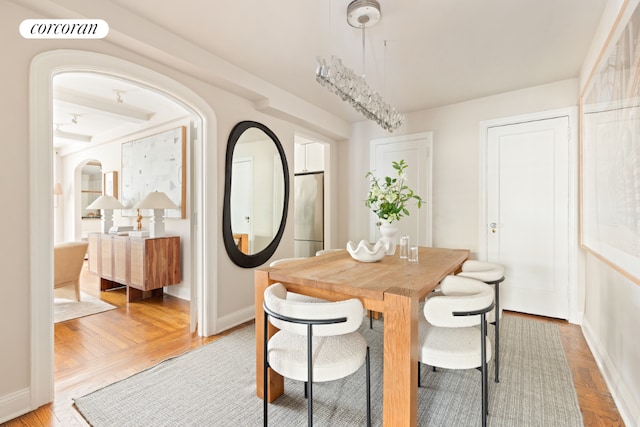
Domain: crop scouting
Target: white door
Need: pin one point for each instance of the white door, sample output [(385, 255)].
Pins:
[(528, 211), (416, 151), (241, 199)]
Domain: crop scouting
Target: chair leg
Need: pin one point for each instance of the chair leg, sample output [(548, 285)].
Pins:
[(310, 375), (368, 389), (418, 374), (265, 366), (370, 319), (497, 337), (483, 361)]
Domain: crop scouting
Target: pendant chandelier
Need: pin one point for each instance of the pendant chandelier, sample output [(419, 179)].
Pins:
[(353, 88)]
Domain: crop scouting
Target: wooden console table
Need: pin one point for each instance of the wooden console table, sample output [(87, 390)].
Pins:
[(144, 265)]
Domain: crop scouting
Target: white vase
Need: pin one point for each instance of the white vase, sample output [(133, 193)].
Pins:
[(389, 232)]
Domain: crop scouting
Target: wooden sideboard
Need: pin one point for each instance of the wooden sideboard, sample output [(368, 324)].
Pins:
[(143, 265)]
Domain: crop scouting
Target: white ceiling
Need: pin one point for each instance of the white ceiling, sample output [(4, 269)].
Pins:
[(86, 109), (422, 53)]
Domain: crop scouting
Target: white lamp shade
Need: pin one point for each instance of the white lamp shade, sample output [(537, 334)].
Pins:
[(57, 189), (156, 200), (106, 202)]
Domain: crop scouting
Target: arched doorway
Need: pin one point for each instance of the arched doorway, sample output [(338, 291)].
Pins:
[(203, 198)]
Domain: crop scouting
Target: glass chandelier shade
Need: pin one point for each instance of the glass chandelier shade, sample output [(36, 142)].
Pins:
[(354, 89)]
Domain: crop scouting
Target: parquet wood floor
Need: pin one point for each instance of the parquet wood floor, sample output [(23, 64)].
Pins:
[(95, 351)]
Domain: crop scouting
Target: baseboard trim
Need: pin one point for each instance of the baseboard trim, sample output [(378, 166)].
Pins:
[(236, 318), (576, 318), (628, 407), (15, 404)]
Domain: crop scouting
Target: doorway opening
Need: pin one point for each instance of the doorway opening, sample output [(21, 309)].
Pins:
[(204, 255)]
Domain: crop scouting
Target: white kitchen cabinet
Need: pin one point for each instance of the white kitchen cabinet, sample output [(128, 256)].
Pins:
[(309, 157)]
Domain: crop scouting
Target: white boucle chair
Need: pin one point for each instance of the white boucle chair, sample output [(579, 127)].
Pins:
[(491, 274), (327, 251), (448, 336), (316, 342), (293, 296)]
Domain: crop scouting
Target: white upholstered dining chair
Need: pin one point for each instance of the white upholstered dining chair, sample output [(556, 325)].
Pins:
[(316, 342), (448, 334), (327, 251), (491, 274), (293, 296)]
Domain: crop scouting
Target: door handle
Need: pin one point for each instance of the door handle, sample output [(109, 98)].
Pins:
[(493, 227)]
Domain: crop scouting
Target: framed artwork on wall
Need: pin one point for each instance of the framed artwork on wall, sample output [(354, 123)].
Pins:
[(610, 152), (155, 163), (110, 184)]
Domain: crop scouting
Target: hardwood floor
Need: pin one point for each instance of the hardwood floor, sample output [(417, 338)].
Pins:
[(97, 350)]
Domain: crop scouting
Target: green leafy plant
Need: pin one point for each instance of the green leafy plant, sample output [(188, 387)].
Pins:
[(388, 197)]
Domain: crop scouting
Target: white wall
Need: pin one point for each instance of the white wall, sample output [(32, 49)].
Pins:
[(234, 294), (610, 325), (14, 187), (456, 160), (612, 301)]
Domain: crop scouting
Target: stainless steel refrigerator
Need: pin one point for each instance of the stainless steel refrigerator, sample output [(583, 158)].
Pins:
[(308, 214)]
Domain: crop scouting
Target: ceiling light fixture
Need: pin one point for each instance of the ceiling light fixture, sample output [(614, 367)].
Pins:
[(350, 87)]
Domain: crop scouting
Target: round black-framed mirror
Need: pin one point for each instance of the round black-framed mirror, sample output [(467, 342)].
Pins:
[(243, 135)]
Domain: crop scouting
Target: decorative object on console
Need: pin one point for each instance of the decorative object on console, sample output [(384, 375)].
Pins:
[(350, 87), (121, 230), (138, 220), (107, 204), (158, 202), (365, 252)]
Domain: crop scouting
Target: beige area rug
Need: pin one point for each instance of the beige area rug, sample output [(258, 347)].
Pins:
[(67, 309), (214, 385)]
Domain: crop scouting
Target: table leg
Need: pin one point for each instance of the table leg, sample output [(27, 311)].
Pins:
[(276, 381), (400, 402)]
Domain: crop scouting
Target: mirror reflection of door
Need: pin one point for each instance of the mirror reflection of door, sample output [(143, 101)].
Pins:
[(252, 189), (242, 202), (90, 190)]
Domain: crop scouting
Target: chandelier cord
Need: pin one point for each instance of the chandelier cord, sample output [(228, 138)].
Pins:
[(364, 73), (353, 88)]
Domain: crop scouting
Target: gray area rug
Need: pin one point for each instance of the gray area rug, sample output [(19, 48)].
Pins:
[(214, 385), (67, 309)]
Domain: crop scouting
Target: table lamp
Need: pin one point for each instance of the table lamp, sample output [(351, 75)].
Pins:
[(158, 202), (57, 192), (107, 204)]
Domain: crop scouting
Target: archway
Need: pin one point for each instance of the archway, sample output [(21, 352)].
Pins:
[(202, 203)]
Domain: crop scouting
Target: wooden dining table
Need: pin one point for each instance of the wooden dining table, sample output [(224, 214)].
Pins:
[(391, 286)]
